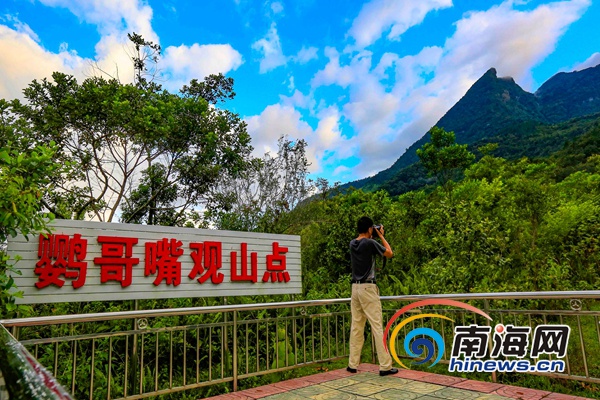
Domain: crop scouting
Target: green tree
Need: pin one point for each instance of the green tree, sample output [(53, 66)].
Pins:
[(261, 197), (24, 178), (118, 133), (442, 156)]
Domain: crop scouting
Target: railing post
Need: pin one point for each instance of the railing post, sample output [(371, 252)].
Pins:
[(235, 353), (486, 308), (294, 337), (15, 329), (134, 355), (225, 341)]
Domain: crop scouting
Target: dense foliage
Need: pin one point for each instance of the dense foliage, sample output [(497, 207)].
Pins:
[(25, 174), (507, 226)]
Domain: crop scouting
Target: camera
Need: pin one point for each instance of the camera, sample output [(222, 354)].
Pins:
[(376, 229)]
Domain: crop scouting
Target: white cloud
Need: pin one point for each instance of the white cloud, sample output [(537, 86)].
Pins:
[(276, 7), (298, 99), (379, 16), (29, 61), (279, 119), (341, 170), (113, 19), (510, 40), (395, 100), (20, 26), (275, 120), (336, 74), (306, 54), (272, 55), (270, 49), (184, 62), (592, 61)]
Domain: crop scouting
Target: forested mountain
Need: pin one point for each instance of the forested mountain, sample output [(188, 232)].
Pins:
[(569, 95), (498, 110)]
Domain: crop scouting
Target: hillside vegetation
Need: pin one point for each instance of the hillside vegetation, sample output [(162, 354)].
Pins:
[(521, 225)]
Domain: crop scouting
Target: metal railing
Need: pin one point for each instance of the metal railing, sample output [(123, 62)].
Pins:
[(145, 353)]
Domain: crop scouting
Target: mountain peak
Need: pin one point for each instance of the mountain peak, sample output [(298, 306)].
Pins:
[(491, 72), (489, 106)]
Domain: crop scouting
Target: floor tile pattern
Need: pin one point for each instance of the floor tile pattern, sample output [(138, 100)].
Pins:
[(406, 385)]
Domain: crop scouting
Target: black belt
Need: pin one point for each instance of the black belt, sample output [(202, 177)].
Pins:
[(364, 281)]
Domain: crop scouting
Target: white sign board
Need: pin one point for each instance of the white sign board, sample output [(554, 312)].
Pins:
[(97, 261)]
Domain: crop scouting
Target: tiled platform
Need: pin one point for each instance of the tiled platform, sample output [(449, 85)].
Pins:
[(367, 384)]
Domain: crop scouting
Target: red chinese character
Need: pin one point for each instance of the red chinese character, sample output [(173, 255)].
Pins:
[(162, 256), (116, 263), (277, 272), (212, 262), (59, 255), (243, 276), (77, 253)]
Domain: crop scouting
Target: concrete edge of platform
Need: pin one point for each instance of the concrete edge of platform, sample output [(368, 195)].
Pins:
[(513, 392)]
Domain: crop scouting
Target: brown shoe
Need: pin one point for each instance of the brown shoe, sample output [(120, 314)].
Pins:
[(388, 372)]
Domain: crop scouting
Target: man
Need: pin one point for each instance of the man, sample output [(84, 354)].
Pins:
[(365, 304)]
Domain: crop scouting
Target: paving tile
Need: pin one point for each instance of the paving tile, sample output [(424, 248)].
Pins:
[(456, 394), (396, 394), (442, 379), (313, 390), (389, 382), (262, 391), (492, 396), (479, 386), (410, 374), (341, 372), (364, 376), (285, 396), (368, 367), (422, 387), (363, 389), (520, 393), (319, 378), (336, 395), (293, 384), (339, 383)]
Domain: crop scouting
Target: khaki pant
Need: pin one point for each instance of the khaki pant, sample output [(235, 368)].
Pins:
[(366, 305)]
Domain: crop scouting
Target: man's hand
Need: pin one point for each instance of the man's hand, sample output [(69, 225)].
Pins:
[(388, 250)]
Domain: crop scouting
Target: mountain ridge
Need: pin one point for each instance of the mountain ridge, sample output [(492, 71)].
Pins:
[(494, 104)]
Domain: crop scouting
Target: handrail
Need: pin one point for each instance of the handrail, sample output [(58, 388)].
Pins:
[(25, 378), (170, 312)]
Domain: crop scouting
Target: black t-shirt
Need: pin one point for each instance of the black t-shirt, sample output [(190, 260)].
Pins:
[(362, 256)]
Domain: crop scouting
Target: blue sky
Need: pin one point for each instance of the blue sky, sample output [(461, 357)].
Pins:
[(360, 81)]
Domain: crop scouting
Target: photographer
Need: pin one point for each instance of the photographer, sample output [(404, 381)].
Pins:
[(365, 304)]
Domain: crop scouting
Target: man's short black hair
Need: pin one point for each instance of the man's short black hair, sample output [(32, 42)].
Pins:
[(363, 225)]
